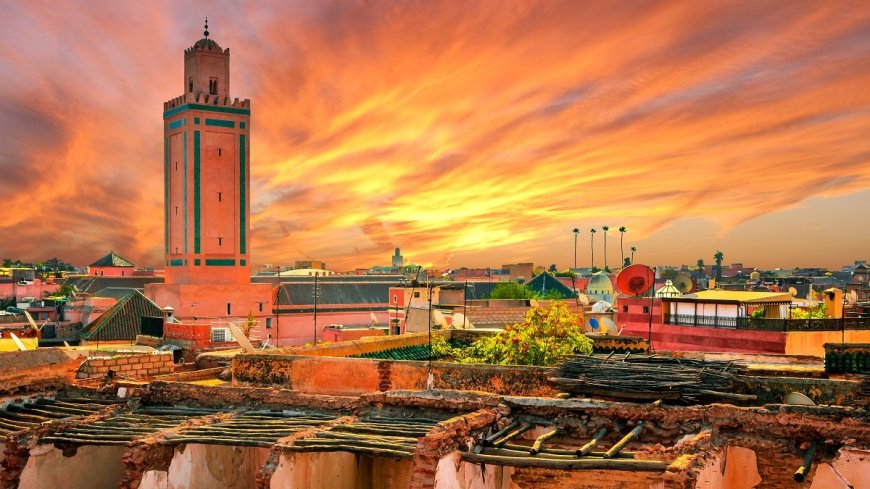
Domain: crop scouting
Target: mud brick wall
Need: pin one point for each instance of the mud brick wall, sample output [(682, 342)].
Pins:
[(354, 376), (31, 370), (138, 366)]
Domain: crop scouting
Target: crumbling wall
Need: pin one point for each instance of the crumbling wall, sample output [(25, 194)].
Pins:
[(92, 467), (31, 370), (339, 470), (215, 466), (355, 376), (849, 470), (138, 366)]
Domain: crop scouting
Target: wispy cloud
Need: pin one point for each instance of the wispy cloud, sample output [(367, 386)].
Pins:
[(440, 127)]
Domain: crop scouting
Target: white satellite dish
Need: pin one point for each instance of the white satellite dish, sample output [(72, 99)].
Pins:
[(239, 336), (461, 322), (438, 318), (608, 326), (18, 342), (798, 399), (601, 306)]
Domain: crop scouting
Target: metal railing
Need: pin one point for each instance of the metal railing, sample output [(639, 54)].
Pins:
[(763, 324)]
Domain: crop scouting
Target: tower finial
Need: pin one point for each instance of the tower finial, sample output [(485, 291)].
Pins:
[(206, 28)]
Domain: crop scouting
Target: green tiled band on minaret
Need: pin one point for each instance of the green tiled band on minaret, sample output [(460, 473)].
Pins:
[(166, 192), (242, 185), (185, 191), (196, 182)]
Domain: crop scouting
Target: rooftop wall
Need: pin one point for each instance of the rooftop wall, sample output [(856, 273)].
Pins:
[(34, 369)]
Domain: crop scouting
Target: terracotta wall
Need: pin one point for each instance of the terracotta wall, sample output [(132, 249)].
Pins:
[(813, 342), (354, 376), (20, 370)]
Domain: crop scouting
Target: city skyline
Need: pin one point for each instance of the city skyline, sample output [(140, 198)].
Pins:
[(468, 137)]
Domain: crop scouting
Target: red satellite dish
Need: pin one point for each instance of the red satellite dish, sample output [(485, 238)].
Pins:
[(635, 279)]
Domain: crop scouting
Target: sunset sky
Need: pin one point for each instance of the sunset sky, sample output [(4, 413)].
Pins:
[(467, 133)]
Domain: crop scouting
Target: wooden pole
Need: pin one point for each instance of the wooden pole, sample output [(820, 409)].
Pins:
[(596, 439), (802, 471), (578, 464), (624, 441), (536, 447), (498, 434), (513, 434)]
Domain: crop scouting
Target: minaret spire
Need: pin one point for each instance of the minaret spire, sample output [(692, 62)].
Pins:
[(206, 28)]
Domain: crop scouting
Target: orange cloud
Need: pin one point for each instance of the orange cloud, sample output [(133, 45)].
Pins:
[(467, 134)]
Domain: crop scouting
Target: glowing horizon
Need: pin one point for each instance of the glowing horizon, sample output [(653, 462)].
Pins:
[(467, 135)]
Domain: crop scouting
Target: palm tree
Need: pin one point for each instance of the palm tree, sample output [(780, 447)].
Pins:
[(605, 228), (592, 232), (576, 232), (622, 231), (701, 267), (633, 249), (718, 256)]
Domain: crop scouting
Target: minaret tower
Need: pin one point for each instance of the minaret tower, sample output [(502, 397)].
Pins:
[(206, 177), (206, 173)]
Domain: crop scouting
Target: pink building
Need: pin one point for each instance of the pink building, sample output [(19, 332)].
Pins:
[(207, 207), (111, 265)]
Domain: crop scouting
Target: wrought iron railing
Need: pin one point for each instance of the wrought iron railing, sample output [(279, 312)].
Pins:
[(764, 324)]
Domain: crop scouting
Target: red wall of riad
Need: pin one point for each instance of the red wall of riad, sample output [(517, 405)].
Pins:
[(671, 337)]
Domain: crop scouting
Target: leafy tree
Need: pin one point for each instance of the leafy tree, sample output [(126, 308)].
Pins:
[(66, 290), (546, 335), (668, 274), (626, 261), (552, 269), (622, 230), (633, 249), (512, 290), (8, 263), (701, 266), (718, 256), (249, 324), (605, 229), (592, 232)]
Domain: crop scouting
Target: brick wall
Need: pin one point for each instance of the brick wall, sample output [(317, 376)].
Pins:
[(138, 366)]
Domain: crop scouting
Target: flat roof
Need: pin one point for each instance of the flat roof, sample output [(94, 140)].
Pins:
[(732, 296)]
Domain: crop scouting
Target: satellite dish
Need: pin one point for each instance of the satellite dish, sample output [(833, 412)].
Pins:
[(608, 326), (683, 283), (240, 337), (593, 323), (792, 291), (798, 399), (635, 279), (461, 322), (583, 298)]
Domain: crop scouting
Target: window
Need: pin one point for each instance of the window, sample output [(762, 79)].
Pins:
[(212, 86), (261, 307), (646, 309), (176, 166), (220, 335), (395, 299), (416, 294), (229, 309), (219, 196), (176, 210), (624, 308), (268, 321), (219, 151), (190, 85), (220, 243)]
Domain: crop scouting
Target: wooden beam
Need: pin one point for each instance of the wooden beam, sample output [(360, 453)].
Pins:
[(579, 464)]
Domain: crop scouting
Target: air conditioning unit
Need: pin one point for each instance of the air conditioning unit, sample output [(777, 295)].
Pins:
[(221, 335)]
